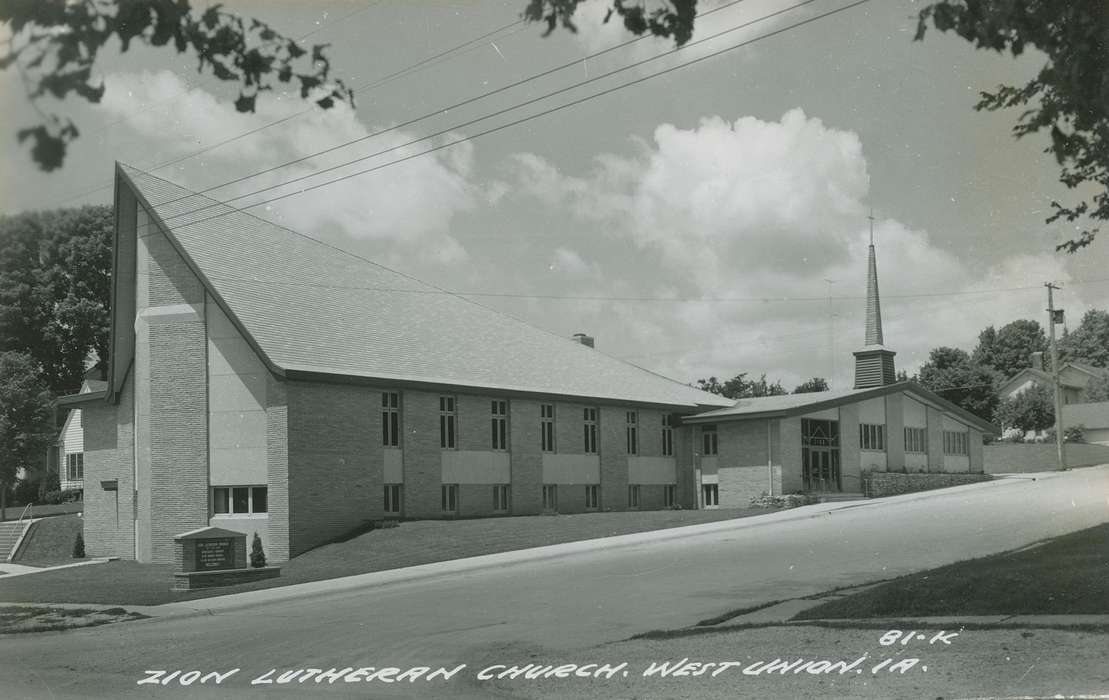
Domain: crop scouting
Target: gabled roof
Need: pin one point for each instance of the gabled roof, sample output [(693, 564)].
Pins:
[(311, 309), (789, 405), (1040, 376)]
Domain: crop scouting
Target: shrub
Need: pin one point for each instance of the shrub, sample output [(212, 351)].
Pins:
[(79, 546), (257, 556), (792, 500)]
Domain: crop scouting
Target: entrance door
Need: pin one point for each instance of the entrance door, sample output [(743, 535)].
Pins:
[(821, 470)]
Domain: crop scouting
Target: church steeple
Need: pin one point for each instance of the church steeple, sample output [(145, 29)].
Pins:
[(874, 363)]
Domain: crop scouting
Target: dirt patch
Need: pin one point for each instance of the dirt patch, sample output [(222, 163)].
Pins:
[(23, 619)]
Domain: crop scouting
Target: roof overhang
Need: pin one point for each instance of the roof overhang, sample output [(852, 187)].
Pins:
[(75, 400)]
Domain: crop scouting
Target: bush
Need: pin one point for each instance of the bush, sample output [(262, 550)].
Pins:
[(792, 500), (54, 498), (257, 556), (79, 547)]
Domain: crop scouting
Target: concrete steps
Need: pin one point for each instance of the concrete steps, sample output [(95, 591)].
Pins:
[(10, 534), (837, 497)]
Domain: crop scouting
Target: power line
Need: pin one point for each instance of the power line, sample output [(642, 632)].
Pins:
[(503, 126), (401, 73), (490, 93)]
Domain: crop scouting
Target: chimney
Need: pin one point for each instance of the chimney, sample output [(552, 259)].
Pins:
[(1038, 361), (586, 340)]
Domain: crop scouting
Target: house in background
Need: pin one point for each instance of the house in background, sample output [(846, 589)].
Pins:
[(67, 455), (1074, 377)]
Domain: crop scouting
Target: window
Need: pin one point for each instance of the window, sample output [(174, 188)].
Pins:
[(500, 498), (499, 410), (667, 435), (390, 419), (872, 437), (711, 493), (240, 500), (633, 432), (670, 496), (392, 498), (447, 423), (592, 497), (75, 466), (450, 498), (546, 427), (633, 496), (916, 440), (550, 497), (590, 428), (708, 440), (955, 443)]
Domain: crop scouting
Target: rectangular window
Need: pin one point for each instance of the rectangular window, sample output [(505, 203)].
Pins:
[(590, 430), (916, 440), (547, 427), (448, 427), (592, 497), (633, 432), (955, 443), (708, 440), (240, 500), (392, 498), (75, 466), (667, 435), (872, 437), (633, 496), (499, 435), (670, 496), (500, 498), (550, 497), (711, 493), (450, 498), (390, 419)]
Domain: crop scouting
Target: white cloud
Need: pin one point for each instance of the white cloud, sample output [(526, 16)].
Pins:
[(747, 213), (410, 204)]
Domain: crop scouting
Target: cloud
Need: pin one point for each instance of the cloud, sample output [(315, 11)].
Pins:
[(410, 204), (761, 228)]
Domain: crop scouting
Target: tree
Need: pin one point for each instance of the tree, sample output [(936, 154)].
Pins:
[(1068, 98), (55, 282), (55, 44), (1031, 409), (1010, 349), (26, 418), (257, 556), (952, 374), (79, 546), (1098, 389), (739, 387), (1089, 342), (671, 18), (812, 385)]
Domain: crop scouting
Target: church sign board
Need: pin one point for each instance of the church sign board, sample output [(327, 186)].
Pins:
[(213, 556)]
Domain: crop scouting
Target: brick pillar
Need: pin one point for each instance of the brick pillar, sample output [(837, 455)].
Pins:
[(935, 440), (895, 432), (850, 457), (277, 468), (613, 446), (423, 463), (527, 458)]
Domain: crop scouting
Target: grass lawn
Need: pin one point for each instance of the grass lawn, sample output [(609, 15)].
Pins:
[(409, 544), (13, 512), (1064, 576), (50, 542)]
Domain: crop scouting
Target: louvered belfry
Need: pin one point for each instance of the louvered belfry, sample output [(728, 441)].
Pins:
[(874, 363)]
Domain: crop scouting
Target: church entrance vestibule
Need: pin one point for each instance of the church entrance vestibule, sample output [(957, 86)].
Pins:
[(820, 465)]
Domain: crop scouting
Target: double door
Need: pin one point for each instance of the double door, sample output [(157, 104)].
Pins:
[(820, 471)]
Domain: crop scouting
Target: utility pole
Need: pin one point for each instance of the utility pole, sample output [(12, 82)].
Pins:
[(831, 336), (1051, 320)]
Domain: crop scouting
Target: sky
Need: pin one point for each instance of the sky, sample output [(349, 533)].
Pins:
[(708, 221)]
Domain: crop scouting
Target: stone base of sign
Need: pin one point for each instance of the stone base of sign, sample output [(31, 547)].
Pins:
[(193, 580)]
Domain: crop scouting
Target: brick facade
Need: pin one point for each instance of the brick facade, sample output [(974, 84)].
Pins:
[(613, 446), (527, 457)]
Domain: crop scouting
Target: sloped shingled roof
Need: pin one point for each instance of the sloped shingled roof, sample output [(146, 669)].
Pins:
[(312, 308)]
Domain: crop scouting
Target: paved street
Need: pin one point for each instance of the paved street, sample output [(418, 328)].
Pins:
[(512, 614)]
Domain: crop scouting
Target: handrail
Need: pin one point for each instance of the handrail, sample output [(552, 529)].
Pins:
[(20, 528)]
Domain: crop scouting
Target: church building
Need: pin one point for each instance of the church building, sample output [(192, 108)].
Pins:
[(265, 382)]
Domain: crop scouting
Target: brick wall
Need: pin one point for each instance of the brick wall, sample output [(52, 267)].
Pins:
[(790, 443), (474, 422), (335, 461), (895, 431), (571, 498), (650, 433), (108, 515), (935, 440), (652, 497), (569, 437), (683, 455), (613, 445), (423, 465), (893, 483), (527, 457), (738, 485), (475, 500), (850, 455)]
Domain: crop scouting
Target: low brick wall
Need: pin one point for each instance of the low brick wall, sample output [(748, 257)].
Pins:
[(1024, 458), (877, 484), (192, 580)]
